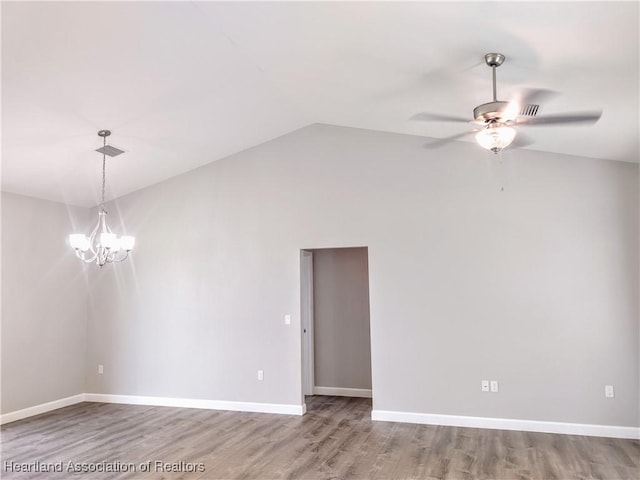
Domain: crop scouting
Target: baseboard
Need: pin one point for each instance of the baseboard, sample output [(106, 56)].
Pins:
[(285, 409), (42, 408), (611, 431), (342, 392), (281, 408), (508, 424)]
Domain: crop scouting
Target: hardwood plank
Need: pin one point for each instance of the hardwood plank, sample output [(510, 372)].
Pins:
[(336, 439)]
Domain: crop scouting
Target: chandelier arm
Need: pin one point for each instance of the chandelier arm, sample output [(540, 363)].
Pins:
[(102, 222), (82, 256), (103, 257), (93, 245), (123, 257), (107, 229), (117, 256)]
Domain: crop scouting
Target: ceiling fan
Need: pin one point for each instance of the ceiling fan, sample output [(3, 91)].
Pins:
[(497, 118)]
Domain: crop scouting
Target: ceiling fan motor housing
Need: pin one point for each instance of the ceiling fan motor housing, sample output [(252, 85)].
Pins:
[(490, 111)]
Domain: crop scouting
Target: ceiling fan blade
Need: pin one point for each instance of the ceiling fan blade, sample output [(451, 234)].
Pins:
[(577, 117), (439, 142), (521, 140), (438, 117), (526, 96), (474, 65), (525, 102)]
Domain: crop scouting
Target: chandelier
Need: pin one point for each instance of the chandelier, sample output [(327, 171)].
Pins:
[(102, 246)]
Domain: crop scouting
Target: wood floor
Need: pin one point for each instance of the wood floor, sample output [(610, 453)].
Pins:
[(336, 439)]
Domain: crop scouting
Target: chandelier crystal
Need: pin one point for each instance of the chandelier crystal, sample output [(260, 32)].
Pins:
[(102, 246)]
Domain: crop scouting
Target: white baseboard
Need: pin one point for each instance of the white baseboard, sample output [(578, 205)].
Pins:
[(42, 408), (282, 408), (379, 415), (342, 392), (508, 424)]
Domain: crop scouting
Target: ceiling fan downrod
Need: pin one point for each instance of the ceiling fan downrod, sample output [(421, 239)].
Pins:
[(494, 60), (494, 109)]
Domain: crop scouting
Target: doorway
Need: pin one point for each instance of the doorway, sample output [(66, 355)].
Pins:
[(336, 341)]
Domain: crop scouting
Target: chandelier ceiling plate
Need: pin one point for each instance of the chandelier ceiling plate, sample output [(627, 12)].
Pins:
[(109, 150)]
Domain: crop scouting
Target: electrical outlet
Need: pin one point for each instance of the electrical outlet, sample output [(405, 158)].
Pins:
[(608, 391), (485, 385), (100, 369), (287, 319), (494, 386), (260, 375)]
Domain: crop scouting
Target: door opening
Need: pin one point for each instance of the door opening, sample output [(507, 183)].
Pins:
[(335, 324)]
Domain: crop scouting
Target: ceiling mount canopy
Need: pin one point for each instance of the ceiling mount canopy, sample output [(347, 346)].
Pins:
[(102, 246)]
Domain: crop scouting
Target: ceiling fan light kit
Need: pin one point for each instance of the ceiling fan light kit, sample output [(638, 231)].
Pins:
[(498, 118), (102, 246), (495, 138)]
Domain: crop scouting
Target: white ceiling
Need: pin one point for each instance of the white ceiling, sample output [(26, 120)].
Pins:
[(183, 84)]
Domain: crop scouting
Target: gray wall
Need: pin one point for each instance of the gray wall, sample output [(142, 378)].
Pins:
[(44, 303), (523, 271), (535, 286), (342, 344)]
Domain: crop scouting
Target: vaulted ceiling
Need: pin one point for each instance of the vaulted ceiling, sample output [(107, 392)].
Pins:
[(187, 83)]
